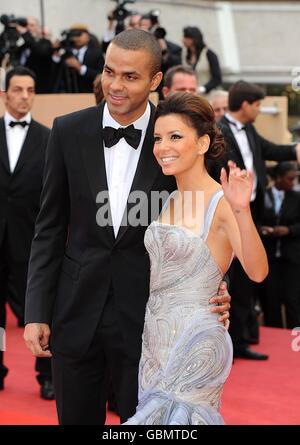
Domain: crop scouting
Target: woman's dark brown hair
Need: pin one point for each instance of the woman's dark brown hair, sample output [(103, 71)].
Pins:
[(199, 114)]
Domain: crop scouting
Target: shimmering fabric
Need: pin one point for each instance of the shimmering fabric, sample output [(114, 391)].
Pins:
[(186, 352)]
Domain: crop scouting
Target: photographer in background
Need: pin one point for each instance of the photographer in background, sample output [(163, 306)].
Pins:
[(171, 53), (36, 53), (10, 41), (116, 21), (78, 63)]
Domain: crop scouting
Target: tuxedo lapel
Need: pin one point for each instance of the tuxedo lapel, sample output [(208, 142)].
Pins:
[(286, 204), (3, 146), (270, 195), (252, 144), (233, 145), (93, 157), (146, 172)]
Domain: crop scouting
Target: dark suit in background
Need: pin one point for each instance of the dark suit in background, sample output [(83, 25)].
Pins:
[(19, 205), (70, 81), (39, 60), (94, 62), (244, 325), (282, 284)]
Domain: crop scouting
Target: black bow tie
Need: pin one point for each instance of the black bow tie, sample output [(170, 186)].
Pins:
[(131, 135), (23, 124), (243, 127)]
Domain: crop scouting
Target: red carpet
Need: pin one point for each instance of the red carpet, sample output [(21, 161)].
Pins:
[(256, 392)]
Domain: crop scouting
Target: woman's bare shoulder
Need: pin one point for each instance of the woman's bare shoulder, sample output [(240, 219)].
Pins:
[(223, 212)]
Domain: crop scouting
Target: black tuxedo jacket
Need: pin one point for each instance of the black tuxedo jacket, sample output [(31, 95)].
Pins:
[(74, 261), (20, 191), (289, 216), (262, 150), (94, 61)]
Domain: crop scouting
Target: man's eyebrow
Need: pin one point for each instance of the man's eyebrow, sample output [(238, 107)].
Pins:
[(124, 72)]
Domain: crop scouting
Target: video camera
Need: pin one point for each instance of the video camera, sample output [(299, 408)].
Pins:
[(10, 40), (10, 21), (66, 43), (120, 13)]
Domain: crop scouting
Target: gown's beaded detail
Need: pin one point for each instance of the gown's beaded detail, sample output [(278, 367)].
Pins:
[(186, 352)]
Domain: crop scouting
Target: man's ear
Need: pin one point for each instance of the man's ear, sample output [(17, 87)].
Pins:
[(156, 79), (244, 105), (3, 96), (165, 91)]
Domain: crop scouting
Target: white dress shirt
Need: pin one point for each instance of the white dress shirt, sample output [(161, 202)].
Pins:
[(121, 162), (240, 135), (278, 199), (79, 54), (15, 137)]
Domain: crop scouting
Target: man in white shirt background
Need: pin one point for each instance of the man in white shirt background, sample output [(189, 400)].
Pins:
[(22, 151)]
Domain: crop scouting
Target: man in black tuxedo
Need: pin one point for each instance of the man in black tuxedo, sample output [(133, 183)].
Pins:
[(281, 236), (248, 150), (87, 279), (23, 143)]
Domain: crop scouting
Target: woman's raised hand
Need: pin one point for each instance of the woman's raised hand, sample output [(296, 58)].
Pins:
[(237, 186)]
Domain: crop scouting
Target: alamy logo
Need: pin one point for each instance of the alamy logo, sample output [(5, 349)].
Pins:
[(296, 341), (2, 340), (188, 207)]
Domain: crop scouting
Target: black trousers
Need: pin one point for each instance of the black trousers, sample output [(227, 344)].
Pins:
[(243, 320), (282, 286), (81, 385), (244, 292), (13, 279)]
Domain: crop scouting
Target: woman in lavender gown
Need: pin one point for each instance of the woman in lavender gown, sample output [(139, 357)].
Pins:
[(187, 352)]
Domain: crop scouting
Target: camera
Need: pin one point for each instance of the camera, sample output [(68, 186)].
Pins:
[(65, 74), (10, 21), (66, 43), (10, 40), (120, 13)]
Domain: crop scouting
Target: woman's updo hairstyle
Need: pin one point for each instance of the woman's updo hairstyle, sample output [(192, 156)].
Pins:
[(199, 114)]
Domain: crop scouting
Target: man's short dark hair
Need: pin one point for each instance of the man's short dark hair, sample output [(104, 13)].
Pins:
[(18, 71), (137, 39), (169, 76), (243, 91)]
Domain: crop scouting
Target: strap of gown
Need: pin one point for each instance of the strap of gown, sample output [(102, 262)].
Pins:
[(210, 211), (167, 202)]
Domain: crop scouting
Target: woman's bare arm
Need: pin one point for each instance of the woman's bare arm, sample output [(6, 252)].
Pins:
[(238, 223)]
